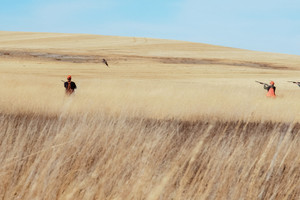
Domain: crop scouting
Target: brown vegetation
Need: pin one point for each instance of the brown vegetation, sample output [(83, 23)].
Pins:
[(102, 157), (167, 120)]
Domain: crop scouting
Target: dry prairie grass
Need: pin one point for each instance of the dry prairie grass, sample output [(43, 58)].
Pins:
[(101, 157), (155, 125)]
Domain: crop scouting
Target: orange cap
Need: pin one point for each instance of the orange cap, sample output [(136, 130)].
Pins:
[(272, 82), (69, 77)]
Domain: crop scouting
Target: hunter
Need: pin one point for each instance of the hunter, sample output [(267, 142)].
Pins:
[(271, 89), (69, 85)]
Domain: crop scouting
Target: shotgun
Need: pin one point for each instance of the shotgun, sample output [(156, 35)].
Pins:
[(262, 83), (295, 82)]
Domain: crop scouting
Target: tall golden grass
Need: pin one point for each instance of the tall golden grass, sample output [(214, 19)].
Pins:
[(97, 156), (145, 128), (136, 140)]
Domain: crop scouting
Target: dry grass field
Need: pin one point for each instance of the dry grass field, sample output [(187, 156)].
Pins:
[(166, 120)]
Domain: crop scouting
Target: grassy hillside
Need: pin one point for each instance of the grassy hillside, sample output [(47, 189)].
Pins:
[(166, 120)]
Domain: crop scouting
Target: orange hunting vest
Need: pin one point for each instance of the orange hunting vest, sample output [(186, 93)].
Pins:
[(271, 92)]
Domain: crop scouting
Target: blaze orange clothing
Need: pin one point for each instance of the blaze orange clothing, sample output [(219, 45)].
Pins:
[(271, 90)]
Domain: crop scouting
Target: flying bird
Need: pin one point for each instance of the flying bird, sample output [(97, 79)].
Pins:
[(105, 62)]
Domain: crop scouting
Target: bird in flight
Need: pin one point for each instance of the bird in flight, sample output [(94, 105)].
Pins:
[(105, 62)]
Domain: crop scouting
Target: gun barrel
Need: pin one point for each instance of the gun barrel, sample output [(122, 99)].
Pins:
[(294, 82), (260, 82)]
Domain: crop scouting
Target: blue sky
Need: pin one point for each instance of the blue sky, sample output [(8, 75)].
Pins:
[(262, 25)]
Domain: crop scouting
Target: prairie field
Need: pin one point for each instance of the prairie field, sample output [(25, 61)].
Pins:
[(166, 120)]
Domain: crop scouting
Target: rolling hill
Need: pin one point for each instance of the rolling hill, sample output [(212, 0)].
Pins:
[(166, 120)]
